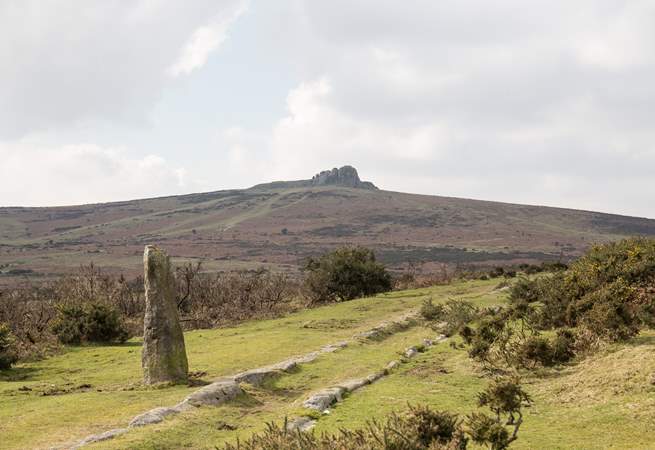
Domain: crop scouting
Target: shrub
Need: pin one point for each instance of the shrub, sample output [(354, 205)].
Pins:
[(430, 311), (505, 398), (605, 290), (563, 346), (420, 429), (535, 349), (452, 316), (487, 430), (104, 324), (457, 314), (8, 353), (75, 324), (482, 339), (344, 274), (524, 290), (68, 326)]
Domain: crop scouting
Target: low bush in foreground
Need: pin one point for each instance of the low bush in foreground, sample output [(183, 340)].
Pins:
[(421, 428)]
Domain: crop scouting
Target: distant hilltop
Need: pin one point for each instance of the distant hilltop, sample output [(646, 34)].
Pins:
[(345, 176)]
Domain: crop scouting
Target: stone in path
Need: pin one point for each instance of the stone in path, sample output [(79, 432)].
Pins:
[(164, 357)]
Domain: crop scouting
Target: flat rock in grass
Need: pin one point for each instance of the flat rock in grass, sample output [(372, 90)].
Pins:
[(334, 347), (353, 385), (157, 415), (99, 437), (392, 365), (301, 424), (324, 399), (389, 327), (309, 357), (411, 352), (257, 376), (218, 392), (372, 378)]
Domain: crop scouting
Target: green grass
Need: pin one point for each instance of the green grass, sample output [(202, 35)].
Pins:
[(603, 401), (29, 419)]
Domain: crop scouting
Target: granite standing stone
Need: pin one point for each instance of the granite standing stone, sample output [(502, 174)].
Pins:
[(164, 357)]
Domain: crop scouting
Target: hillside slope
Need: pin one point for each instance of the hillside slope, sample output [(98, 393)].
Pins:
[(281, 223)]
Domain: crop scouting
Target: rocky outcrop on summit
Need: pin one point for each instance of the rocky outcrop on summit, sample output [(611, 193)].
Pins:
[(346, 176)]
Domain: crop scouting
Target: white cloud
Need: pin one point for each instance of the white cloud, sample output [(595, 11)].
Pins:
[(82, 173), (204, 40)]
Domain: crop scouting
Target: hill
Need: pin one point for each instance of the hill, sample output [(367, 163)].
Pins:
[(279, 224), (93, 389)]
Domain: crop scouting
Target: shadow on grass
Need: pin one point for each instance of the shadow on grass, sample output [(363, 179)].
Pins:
[(104, 345), (642, 340), (18, 374)]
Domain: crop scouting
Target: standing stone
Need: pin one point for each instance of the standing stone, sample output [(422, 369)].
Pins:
[(164, 355)]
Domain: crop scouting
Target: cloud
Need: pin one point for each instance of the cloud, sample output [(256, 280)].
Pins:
[(204, 40), (83, 173), (66, 63), (539, 102)]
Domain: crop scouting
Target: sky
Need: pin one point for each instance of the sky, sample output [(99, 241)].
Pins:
[(540, 102)]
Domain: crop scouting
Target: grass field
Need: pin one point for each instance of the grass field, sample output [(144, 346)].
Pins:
[(605, 401)]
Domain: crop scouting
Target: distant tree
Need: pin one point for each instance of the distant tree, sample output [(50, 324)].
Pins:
[(344, 274)]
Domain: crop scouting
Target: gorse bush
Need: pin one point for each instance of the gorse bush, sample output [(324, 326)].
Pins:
[(76, 324), (606, 295), (505, 398), (344, 274), (608, 291), (8, 352), (420, 429), (501, 341)]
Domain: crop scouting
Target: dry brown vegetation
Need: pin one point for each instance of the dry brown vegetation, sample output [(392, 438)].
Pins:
[(34, 312)]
